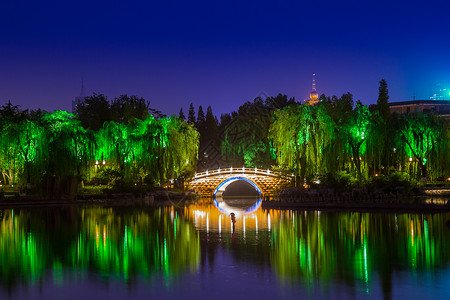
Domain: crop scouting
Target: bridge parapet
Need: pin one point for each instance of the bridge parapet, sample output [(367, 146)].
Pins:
[(268, 181), (243, 170)]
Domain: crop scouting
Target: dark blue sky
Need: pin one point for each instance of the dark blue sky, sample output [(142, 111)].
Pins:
[(219, 52)]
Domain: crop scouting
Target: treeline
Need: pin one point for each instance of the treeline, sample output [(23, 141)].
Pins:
[(241, 137), (334, 137), (120, 142)]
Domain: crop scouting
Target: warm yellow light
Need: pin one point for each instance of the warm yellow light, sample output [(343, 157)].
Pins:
[(104, 162), (410, 159)]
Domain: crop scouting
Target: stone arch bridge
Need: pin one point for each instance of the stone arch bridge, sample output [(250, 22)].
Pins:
[(214, 182)]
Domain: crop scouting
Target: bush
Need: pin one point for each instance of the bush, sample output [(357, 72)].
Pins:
[(107, 176), (392, 183), (341, 181)]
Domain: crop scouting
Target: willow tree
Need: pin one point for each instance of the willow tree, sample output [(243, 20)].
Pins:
[(422, 135), (9, 155), (176, 151), (165, 148), (300, 134), (183, 146), (30, 139), (246, 139), (379, 144), (71, 146), (114, 144), (144, 136), (356, 132)]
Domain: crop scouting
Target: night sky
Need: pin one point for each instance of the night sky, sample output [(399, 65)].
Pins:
[(219, 52)]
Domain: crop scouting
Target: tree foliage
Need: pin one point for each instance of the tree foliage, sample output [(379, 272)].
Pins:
[(39, 146)]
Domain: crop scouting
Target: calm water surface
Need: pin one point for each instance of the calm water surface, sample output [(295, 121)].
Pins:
[(75, 252)]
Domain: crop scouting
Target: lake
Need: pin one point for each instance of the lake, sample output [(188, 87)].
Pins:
[(193, 251)]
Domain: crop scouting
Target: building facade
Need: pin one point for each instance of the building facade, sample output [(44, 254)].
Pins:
[(438, 107)]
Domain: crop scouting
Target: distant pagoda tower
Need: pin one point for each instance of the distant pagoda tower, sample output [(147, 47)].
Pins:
[(314, 95), (78, 100)]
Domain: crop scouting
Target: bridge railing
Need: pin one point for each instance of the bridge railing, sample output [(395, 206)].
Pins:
[(243, 170)]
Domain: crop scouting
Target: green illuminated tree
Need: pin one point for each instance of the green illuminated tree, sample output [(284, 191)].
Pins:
[(10, 163), (356, 131), (9, 155), (71, 148), (246, 139), (300, 134), (114, 144), (422, 135), (31, 142), (246, 132)]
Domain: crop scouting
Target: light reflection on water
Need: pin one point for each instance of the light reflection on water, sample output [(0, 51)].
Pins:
[(127, 252)]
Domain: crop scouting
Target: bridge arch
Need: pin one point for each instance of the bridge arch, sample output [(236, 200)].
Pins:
[(213, 182), (220, 189)]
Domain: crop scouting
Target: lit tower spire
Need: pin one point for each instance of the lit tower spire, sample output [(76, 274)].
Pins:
[(313, 96)]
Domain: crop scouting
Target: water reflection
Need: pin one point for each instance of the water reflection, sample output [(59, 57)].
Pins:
[(117, 243), (238, 206), (314, 248), (365, 253)]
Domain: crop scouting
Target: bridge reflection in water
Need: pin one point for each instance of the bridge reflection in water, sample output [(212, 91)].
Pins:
[(379, 254), (213, 215), (330, 253)]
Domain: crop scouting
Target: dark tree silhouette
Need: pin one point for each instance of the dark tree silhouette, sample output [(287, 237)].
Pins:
[(382, 101), (191, 114), (181, 114)]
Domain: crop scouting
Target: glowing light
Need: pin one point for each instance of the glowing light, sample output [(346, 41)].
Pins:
[(96, 162), (410, 159), (225, 183), (104, 162)]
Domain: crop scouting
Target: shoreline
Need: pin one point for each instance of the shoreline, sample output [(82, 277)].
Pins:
[(359, 207), (271, 204)]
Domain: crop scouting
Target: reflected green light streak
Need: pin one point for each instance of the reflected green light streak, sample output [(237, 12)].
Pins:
[(109, 244), (352, 246)]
